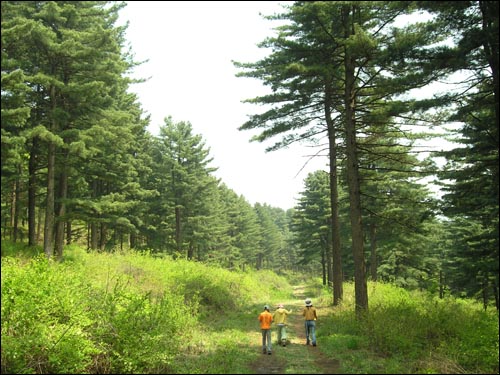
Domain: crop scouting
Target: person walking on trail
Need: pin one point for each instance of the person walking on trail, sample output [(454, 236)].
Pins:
[(266, 319), (279, 317), (310, 317)]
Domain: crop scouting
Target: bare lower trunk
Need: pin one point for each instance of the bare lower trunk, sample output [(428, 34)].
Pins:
[(360, 287), (337, 275), (48, 233), (61, 212), (373, 251)]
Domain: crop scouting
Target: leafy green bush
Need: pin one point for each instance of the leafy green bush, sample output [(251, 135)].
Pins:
[(16, 249), (60, 318), (434, 335), (44, 319), (469, 334), (137, 333)]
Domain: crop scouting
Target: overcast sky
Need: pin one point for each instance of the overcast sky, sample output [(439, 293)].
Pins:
[(190, 46)]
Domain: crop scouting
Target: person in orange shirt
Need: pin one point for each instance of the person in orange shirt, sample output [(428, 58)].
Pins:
[(265, 319)]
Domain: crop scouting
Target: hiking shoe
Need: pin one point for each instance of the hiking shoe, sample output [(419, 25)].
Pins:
[(269, 353), (314, 344)]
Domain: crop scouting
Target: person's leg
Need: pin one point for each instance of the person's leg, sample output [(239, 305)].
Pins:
[(269, 341), (283, 335), (313, 332), (263, 341), (307, 331)]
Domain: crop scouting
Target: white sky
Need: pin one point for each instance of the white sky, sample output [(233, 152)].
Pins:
[(190, 46)]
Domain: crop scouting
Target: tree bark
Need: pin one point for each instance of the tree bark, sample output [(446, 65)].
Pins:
[(13, 210), (32, 240), (60, 213), (373, 251), (338, 292), (360, 286), (178, 237), (48, 236)]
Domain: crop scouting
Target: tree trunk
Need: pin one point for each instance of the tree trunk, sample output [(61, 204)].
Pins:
[(39, 224), (133, 240), (258, 261), (48, 233), (373, 251), (495, 291), (69, 237), (485, 292), (441, 284), (190, 251), (32, 240), (178, 238), (324, 256), (103, 233), (360, 286), (48, 237), (94, 236), (329, 252), (489, 10), (337, 280), (13, 211), (60, 213)]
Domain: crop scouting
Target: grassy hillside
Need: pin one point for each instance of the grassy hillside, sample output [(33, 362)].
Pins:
[(135, 313)]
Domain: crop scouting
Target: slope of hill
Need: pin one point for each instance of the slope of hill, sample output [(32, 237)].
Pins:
[(135, 313)]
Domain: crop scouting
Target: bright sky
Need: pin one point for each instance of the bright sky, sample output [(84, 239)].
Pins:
[(190, 46)]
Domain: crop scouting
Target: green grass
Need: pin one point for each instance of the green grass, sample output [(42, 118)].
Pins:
[(135, 313)]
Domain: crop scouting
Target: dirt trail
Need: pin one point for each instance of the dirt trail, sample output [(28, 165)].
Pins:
[(296, 357)]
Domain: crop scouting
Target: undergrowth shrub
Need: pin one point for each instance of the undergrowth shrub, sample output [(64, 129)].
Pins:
[(469, 334), (133, 313), (418, 327), (44, 318), (210, 286), (70, 318), (140, 320), (138, 333), (18, 250)]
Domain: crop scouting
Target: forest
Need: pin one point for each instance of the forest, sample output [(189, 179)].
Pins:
[(79, 167)]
